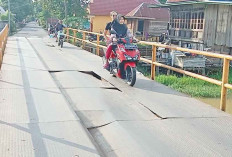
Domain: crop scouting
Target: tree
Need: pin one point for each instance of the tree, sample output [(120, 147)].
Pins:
[(4, 17), (21, 8), (76, 12)]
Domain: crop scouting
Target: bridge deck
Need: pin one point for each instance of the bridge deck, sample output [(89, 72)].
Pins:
[(52, 105)]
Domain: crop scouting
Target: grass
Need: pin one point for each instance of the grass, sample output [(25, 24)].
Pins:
[(192, 86), (188, 85)]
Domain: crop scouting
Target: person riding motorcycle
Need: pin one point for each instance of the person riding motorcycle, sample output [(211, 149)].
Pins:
[(121, 31), (113, 15), (59, 28)]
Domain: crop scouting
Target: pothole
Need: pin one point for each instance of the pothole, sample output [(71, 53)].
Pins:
[(102, 79), (92, 73), (112, 88), (96, 127), (152, 111), (55, 71)]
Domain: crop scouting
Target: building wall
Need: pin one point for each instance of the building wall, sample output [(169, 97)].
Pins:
[(152, 27), (99, 23), (156, 28), (132, 25), (218, 27)]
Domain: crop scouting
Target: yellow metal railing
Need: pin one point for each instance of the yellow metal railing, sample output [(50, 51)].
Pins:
[(225, 75), (3, 41)]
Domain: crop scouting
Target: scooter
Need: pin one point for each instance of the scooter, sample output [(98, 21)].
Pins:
[(123, 60), (61, 37)]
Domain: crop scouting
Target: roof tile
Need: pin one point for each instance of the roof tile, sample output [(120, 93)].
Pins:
[(104, 7)]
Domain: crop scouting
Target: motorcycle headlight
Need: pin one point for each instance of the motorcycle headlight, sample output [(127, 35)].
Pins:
[(128, 57), (136, 57)]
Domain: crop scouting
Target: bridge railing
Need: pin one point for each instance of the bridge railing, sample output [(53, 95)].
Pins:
[(3, 41), (224, 83)]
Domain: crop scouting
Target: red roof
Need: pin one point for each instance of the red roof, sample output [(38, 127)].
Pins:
[(104, 7), (173, 1), (143, 10)]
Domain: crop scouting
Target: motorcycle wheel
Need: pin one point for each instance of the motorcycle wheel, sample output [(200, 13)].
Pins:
[(61, 43), (130, 75)]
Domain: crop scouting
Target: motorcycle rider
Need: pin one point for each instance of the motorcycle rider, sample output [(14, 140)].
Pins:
[(113, 15), (59, 27), (122, 31)]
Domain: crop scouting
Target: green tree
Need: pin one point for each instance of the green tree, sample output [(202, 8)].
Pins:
[(20, 8), (74, 15), (4, 17)]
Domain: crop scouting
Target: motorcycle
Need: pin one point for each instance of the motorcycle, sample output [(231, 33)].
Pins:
[(61, 37), (122, 62), (51, 30)]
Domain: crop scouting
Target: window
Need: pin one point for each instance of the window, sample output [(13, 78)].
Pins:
[(192, 19)]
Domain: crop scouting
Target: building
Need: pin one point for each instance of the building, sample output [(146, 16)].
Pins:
[(201, 24), (140, 17), (152, 21)]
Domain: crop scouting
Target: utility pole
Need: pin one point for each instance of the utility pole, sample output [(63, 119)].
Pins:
[(65, 6), (9, 14)]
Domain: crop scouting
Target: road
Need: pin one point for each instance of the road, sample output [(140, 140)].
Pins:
[(148, 119)]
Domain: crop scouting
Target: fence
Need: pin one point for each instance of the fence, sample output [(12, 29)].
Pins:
[(3, 41), (226, 65)]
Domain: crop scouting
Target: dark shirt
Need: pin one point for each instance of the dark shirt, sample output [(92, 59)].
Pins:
[(110, 25), (59, 27), (121, 29)]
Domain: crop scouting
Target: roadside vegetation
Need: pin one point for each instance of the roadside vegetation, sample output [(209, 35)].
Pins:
[(21, 12), (191, 86)]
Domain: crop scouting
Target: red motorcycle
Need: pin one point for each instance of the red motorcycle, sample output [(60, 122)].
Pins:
[(123, 60)]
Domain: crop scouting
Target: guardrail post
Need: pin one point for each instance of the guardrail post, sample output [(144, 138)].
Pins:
[(98, 42), (3, 41), (225, 77), (153, 60), (83, 42), (67, 34), (1, 57), (74, 35)]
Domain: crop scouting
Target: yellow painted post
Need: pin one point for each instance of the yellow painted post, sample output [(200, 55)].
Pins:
[(1, 50), (98, 42), (1, 56), (67, 34), (153, 60), (83, 42), (74, 35), (225, 77)]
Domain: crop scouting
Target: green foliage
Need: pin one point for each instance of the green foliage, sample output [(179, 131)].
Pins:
[(192, 86), (141, 46), (20, 8), (4, 17), (76, 15)]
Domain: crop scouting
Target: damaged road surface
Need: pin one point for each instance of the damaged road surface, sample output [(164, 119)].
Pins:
[(144, 121)]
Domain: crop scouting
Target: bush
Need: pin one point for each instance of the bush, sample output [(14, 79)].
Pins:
[(4, 17)]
